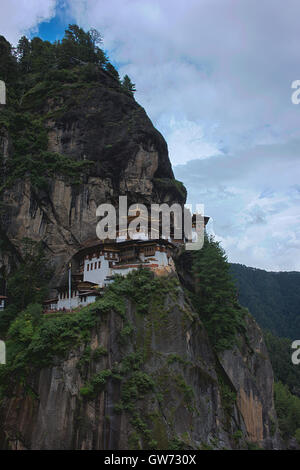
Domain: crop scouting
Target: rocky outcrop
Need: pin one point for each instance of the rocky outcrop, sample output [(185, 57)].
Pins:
[(94, 122), (249, 369), (184, 404)]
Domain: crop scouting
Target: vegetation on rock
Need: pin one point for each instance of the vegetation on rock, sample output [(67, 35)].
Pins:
[(288, 412), (274, 298), (33, 59), (28, 283), (35, 341), (280, 355), (33, 71), (215, 295)]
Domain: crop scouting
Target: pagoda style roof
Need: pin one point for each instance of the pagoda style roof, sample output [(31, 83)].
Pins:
[(113, 245), (87, 285), (50, 301), (88, 293)]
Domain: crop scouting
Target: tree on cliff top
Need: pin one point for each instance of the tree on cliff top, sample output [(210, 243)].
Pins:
[(8, 62), (35, 58), (128, 85)]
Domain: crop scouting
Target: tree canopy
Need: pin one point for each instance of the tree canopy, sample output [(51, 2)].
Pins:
[(28, 283), (35, 57), (128, 85), (215, 295)]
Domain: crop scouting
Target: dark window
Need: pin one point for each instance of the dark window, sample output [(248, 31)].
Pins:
[(149, 251), (128, 254)]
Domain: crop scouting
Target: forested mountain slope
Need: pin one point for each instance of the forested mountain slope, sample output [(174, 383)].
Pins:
[(273, 298)]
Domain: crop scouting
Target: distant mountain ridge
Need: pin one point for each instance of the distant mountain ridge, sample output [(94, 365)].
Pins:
[(273, 298)]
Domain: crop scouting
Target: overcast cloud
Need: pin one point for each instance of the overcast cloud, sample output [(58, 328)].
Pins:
[(19, 17), (215, 77)]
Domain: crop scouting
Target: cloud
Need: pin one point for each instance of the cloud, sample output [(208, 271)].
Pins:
[(253, 199), (19, 17), (187, 139)]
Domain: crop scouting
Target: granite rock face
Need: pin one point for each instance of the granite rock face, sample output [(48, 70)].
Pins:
[(90, 122), (186, 407), (250, 371)]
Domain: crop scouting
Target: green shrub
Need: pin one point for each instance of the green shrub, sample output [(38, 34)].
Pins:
[(297, 435), (288, 411), (96, 384), (99, 352)]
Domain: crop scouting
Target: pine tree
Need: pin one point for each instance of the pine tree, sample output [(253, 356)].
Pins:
[(128, 85), (42, 55), (288, 411), (29, 282), (8, 63), (38, 57), (215, 295), (96, 38), (24, 54)]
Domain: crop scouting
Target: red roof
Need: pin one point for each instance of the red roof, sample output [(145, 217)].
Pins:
[(3, 297)]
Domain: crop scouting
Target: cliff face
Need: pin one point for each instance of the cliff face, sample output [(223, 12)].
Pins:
[(96, 123), (140, 380), (250, 371), (163, 387)]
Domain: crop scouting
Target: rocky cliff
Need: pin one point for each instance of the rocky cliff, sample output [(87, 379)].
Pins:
[(93, 124), (147, 378), (135, 370)]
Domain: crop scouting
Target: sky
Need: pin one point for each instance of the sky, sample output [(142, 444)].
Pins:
[(215, 78)]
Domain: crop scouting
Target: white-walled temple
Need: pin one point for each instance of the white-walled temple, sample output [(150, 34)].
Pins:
[(2, 302), (98, 261)]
